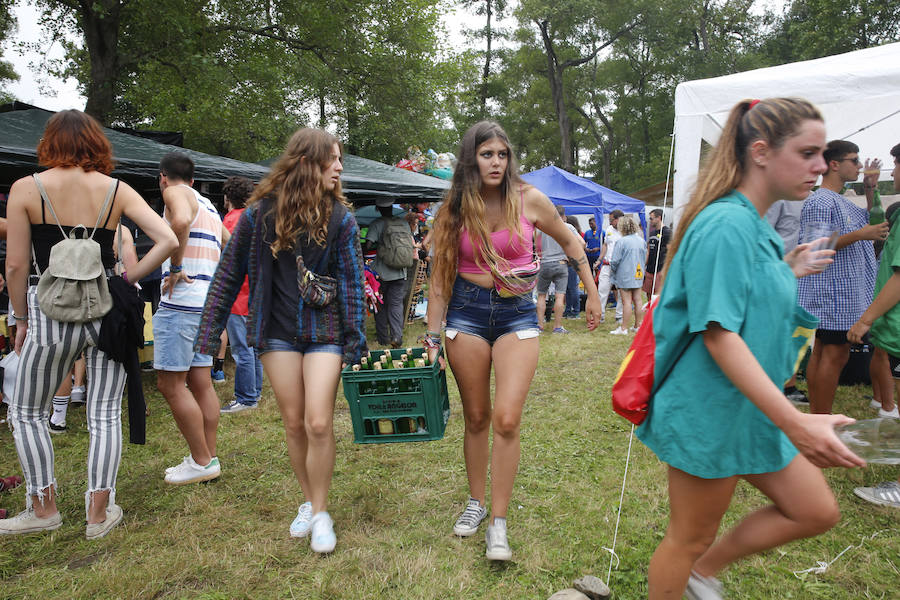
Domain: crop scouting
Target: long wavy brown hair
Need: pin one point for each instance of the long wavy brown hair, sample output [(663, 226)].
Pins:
[(773, 120), (302, 204), (464, 208)]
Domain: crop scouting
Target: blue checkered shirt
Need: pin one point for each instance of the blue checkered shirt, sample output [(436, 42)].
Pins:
[(840, 294)]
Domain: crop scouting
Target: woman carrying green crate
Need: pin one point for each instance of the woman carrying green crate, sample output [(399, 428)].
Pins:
[(298, 212), (482, 279)]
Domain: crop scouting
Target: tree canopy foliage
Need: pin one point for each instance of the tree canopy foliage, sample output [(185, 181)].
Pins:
[(585, 84)]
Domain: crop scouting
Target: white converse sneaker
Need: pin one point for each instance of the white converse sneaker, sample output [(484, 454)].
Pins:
[(468, 522), (496, 541), (27, 522), (300, 526)]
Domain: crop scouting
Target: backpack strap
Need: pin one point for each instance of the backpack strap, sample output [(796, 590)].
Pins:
[(109, 196)]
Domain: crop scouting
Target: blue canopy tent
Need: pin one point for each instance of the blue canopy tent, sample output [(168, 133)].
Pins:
[(580, 196)]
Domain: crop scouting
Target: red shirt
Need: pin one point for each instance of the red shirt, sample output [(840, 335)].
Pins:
[(241, 303)]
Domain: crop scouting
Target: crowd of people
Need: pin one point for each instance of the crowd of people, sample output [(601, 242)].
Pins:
[(284, 274)]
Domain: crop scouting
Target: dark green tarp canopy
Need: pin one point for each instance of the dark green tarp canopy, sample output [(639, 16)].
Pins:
[(137, 162), (364, 181), (136, 158)]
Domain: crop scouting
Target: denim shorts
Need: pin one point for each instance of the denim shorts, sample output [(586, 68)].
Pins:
[(173, 341), (482, 312), (276, 345)]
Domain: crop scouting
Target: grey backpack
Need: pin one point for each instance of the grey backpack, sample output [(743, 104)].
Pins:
[(396, 247), (73, 289)]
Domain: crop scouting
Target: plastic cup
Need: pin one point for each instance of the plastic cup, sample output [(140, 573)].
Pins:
[(819, 236)]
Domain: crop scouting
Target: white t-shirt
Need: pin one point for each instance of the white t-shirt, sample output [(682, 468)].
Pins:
[(612, 236)]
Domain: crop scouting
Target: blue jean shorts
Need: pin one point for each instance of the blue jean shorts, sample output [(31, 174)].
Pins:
[(484, 313), (173, 341), (276, 345)]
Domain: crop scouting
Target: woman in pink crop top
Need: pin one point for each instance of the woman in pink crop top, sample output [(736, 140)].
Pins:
[(482, 233)]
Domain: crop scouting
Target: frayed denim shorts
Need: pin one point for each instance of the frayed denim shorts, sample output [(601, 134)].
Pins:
[(276, 345), (482, 312)]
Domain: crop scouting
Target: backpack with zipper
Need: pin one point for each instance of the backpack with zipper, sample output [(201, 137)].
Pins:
[(396, 247), (73, 288)]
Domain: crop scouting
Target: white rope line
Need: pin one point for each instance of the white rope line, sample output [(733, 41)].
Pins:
[(663, 220), (822, 566), (612, 550), (872, 124)]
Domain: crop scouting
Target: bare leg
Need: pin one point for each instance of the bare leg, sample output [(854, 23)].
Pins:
[(541, 309), (882, 384), (514, 361), (470, 359), (97, 509), (804, 506), (285, 373), (696, 509), (187, 412), (559, 305), (625, 299), (638, 307), (199, 381), (321, 372), (822, 374)]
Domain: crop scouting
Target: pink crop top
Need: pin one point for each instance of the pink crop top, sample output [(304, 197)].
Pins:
[(518, 252)]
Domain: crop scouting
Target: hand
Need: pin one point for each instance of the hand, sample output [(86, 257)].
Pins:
[(21, 332), (870, 172), (876, 232), (856, 333), (433, 354), (805, 261), (814, 437), (168, 284), (592, 311)]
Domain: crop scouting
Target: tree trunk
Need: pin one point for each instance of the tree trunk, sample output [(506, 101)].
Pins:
[(100, 21), (486, 73), (554, 75)]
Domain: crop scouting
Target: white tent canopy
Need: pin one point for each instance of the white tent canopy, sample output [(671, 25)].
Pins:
[(858, 93)]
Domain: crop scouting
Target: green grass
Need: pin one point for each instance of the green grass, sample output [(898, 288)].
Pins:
[(394, 507)]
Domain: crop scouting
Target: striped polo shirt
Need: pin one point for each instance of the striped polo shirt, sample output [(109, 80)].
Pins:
[(201, 256)]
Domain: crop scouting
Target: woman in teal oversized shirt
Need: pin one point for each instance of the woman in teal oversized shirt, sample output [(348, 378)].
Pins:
[(728, 333)]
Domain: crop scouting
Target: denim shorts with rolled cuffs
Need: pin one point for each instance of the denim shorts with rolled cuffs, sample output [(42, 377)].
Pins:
[(482, 312)]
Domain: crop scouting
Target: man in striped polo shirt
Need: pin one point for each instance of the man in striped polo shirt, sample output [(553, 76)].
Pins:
[(186, 277)]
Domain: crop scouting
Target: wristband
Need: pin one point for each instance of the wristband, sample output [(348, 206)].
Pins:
[(125, 277), (431, 342), (17, 317), (175, 268)]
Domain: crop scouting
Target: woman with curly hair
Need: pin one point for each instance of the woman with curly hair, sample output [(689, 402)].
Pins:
[(298, 216), (482, 281)]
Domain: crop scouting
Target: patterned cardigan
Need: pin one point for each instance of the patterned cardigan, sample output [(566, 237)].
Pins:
[(248, 253)]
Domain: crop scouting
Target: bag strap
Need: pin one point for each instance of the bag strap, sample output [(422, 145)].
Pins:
[(110, 194), (318, 254)]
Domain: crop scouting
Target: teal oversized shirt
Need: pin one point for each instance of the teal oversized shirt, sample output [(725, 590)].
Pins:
[(729, 269)]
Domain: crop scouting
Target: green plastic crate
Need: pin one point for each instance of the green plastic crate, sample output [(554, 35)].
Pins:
[(408, 405)]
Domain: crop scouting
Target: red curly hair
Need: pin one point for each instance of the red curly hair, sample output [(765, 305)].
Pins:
[(75, 139)]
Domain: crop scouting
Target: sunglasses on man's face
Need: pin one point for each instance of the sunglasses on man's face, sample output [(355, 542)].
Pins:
[(855, 161)]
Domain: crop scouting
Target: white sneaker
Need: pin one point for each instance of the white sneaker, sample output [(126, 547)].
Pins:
[(618, 331), (875, 404), (28, 522), (190, 472), (889, 414), (886, 493), (94, 531), (468, 522), (322, 539), (178, 466), (300, 526), (496, 541), (704, 588)]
